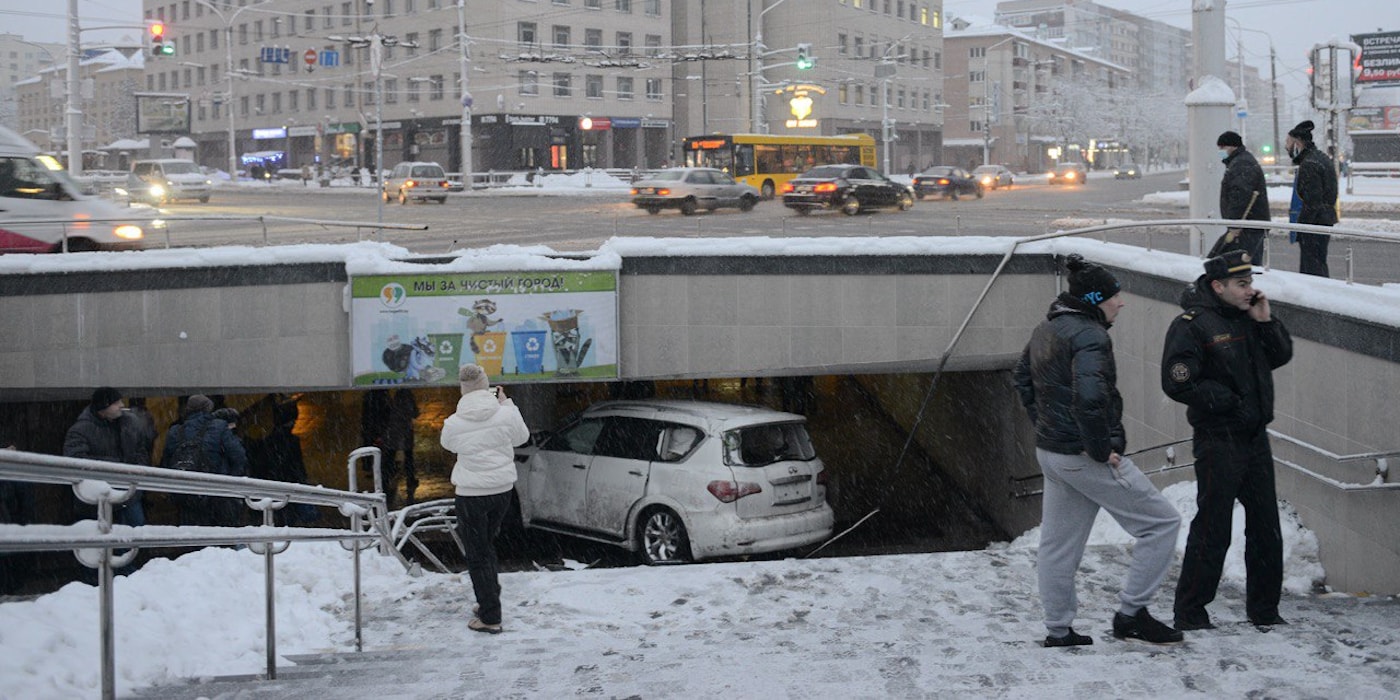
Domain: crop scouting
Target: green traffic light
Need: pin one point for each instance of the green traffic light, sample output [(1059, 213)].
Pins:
[(167, 49), (804, 63), (1268, 148)]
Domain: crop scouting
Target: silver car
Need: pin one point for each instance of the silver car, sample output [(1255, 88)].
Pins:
[(678, 481), (993, 177), (690, 190), (412, 180)]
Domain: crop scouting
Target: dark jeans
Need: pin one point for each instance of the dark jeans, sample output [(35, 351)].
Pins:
[(1312, 253), (478, 522), (1230, 469)]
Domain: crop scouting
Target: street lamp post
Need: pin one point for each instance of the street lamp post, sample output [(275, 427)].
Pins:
[(229, 75), (465, 132), (73, 122), (757, 121)]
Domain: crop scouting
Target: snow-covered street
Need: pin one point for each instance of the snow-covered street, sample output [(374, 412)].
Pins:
[(963, 624)]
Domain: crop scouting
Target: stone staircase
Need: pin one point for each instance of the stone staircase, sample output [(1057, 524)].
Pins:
[(417, 673)]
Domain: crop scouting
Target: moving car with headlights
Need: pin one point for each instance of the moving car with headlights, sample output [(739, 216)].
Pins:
[(43, 210), (1127, 171), (412, 180), (993, 177), (1068, 174), (848, 188), (690, 190), (946, 181), (163, 180), (677, 481)]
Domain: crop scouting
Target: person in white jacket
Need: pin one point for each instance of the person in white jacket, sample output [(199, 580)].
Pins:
[(483, 434)]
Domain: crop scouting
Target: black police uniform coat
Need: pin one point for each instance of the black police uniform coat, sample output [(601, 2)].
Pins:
[(1220, 362), (1068, 382)]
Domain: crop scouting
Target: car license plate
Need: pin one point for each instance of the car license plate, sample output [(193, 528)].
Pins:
[(805, 189), (792, 490)]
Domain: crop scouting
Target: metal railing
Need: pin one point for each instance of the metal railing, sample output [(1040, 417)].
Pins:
[(109, 484)]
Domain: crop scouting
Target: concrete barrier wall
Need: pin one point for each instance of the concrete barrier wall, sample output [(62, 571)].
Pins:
[(285, 327)]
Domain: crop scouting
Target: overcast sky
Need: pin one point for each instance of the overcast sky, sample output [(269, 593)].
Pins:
[(1294, 25)]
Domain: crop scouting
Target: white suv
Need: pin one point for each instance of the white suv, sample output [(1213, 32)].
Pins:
[(164, 180), (679, 481)]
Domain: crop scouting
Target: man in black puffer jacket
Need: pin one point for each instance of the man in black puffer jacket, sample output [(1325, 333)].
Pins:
[(1219, 360), (1314, 198), (1068, 383), (1243, 195)]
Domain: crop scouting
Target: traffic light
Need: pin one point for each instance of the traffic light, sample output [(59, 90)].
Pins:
[(159, 45), (805, 61), (1267, 148)]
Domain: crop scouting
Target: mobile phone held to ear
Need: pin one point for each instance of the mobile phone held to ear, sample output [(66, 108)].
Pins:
[(1254, 299)]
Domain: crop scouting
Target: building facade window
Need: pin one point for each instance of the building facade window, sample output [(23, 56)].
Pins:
[(624, 88), (654, 90), (593, 39), (434, 40), (624, 6), (529, 82), (435, 87), (593, 86), (561, 36), (563, 85), (526, 33)]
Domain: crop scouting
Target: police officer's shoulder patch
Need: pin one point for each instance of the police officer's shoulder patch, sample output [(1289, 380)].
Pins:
[(1180, 372), (1190, 315)]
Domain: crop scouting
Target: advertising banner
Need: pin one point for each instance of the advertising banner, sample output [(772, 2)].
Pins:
[(1380, 58), (519, 326)]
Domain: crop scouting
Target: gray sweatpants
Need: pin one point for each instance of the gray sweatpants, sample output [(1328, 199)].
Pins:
[(1076, 487)]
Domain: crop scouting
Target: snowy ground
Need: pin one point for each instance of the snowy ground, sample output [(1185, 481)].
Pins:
[(963, 624)]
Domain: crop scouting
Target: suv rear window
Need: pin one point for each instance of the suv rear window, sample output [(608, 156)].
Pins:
[(761, 445)]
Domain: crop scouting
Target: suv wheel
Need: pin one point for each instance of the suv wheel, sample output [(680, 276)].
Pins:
[(661, 538)]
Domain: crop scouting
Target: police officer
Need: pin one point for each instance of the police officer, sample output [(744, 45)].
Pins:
[(1219, 360)]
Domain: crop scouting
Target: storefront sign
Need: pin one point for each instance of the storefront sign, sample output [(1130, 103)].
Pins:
[(521, 326), (626, 122), (270, 133)]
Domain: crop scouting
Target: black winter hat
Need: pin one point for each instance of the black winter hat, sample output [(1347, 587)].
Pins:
[(1230, 138), (1303, 132), (1231, 263), (1089, 282), (104, 397)]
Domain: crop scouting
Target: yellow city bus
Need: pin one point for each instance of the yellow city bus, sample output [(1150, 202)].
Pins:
[(766, 161)]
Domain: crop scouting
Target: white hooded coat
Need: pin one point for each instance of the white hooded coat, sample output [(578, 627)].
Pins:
[(483, 433)]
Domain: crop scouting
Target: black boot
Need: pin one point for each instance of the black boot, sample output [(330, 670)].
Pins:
[(1142, 625), (1069, 640)]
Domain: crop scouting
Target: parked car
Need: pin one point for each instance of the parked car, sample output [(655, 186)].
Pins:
[(1068, 174), (691, 189), (677, 481), (162, 180), (946, 181), (993, 176), (849, 188), (1127, 171), (40, 206), (411, 180)]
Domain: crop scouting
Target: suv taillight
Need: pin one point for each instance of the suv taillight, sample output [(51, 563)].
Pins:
[(731, 491)]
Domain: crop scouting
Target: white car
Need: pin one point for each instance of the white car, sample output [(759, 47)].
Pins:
[(162, 180), (678, 481), (993, 177)]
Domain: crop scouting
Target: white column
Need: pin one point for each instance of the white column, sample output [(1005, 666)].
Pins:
[(1208, 109)]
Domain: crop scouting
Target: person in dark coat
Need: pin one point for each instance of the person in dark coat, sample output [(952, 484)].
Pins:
[(278, 457), (1314, 198), (398, 439), (1068, 383), (1243, 195), (222, 453), (1219, 359), (107, 431)]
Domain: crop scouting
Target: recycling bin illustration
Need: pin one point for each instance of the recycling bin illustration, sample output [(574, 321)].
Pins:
[(529, 351), (569, 348), (448, 353), (490, 351)]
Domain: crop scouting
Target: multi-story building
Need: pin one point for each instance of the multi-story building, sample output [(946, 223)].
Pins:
[(1156, 52), (107, 79), (1257, 99), (21, 60), (874, 62), (555, 83), (1025, 102)]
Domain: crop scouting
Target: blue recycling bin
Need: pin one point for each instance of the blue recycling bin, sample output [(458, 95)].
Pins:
[(529, 351)]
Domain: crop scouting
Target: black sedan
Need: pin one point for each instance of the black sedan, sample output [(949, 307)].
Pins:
[(946, 181), (849, 188)]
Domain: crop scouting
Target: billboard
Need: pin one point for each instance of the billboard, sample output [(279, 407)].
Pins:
[(521, 326), (162, 113), (1380, 58)]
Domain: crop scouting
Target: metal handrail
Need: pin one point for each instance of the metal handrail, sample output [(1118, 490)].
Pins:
[(1381, 459), (108, 484)]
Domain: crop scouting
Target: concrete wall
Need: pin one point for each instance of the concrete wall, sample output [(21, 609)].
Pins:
[(285, 327)]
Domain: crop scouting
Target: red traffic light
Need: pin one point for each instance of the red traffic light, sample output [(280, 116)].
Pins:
[(157, 30)]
